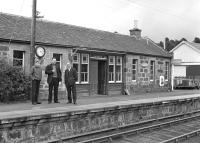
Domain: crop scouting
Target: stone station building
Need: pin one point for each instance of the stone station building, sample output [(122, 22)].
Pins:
[(107, 63)]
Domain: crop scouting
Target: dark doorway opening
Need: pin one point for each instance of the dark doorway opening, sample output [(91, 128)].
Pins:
[(102, 77)]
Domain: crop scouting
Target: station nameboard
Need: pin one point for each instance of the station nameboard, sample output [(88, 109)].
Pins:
[(176, 61)]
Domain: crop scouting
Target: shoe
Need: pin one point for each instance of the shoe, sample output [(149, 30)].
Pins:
[(75, 103), (57, 102), (49, 102), (38, 102), (34, 103), (69, 102)]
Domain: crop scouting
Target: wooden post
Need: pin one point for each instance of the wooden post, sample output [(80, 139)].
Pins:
[(33, 31)]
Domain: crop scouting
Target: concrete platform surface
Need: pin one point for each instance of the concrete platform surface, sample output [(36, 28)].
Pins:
[(94, 102)]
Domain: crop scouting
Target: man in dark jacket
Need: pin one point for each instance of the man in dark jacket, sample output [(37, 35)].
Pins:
[(70, 81), (54, 77)]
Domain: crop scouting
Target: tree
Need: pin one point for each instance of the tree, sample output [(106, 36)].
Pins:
[(170, 43), (196, 40)]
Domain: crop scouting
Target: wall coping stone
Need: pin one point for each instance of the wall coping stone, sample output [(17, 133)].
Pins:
[(38, 114)]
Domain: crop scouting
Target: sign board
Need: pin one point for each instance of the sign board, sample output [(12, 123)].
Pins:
[(176, 61), (162, 81), (98, 57)]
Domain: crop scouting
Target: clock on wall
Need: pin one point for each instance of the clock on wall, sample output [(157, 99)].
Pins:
[(40, 51)]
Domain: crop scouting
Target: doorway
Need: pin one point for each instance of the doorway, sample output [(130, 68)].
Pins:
[(102, 77)]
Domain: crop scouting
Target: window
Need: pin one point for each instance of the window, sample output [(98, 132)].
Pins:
[(76, 61), (58, 58), (134, 69), (111, 69), (118, 69), (84, 68), (152, 70), (166, 70), (18, 58)]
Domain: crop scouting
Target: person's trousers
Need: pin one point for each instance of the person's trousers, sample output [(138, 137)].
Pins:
[(35, 90), (53, 85), (71, 89)]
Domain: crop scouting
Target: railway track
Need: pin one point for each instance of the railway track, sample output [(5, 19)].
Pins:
[(168, 129)]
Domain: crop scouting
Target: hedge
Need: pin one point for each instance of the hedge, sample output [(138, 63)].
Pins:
[(14, 84)]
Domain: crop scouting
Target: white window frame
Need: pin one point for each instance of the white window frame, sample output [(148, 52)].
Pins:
[(19, 59), (166, 71), (60, 57), (112, 64), (153, 70), (119, 64), (78, 63), (136, 69), (82, 55)]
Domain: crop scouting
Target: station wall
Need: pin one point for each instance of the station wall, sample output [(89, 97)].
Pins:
[(143, 73)]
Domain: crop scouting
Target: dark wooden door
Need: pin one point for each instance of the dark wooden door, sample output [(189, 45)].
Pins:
[(93, 77), (102, 78)]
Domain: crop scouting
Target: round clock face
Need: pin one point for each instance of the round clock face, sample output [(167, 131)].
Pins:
[(40, 51)]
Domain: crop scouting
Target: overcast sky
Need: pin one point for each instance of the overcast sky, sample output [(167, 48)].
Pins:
[(157, 18)]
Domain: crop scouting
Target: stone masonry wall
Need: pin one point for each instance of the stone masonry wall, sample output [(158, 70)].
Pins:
[(47, 60), (143, 82), (46, 127)]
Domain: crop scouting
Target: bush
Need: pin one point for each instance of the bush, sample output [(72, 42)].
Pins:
[(14, 84)]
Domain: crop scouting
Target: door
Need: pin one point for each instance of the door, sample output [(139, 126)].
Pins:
[(102, 77), (93, 77)]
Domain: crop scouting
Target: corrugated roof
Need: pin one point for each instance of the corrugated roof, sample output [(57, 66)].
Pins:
[(19, 28)]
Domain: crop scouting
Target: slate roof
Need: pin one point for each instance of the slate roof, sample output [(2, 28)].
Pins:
[(196, 45), (19, 28)]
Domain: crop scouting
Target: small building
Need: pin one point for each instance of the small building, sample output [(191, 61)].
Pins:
[(107, 63), (188, 56)]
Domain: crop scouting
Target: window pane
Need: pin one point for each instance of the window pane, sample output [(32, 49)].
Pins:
[(84, 68), (85, 58), (111, 60), (18, 63), (134, 61), (82, 77), (75, 58), (18, 58), (111, 76), (118, 69), (119, 60), (18, 54), (133, 77), (134, 69), (57, 56), (111, 68), (75, 66)]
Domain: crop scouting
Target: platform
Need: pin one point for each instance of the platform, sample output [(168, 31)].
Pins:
[(25, 122)]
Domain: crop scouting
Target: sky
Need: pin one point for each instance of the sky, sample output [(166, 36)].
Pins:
[(157, 19)]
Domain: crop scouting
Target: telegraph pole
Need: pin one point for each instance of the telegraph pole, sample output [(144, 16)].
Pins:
[(33, 31)]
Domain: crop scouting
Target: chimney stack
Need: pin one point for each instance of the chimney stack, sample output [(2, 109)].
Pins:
[(135, 31)]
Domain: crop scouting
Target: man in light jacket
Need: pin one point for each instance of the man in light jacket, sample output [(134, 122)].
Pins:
[(36, 76), (71, 77)]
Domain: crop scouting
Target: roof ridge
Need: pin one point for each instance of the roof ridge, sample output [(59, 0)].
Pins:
[(71, 25)]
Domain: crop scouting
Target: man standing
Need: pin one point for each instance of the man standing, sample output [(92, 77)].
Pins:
[(70, 82), (36, 76), (54, 77)]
